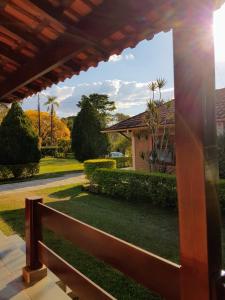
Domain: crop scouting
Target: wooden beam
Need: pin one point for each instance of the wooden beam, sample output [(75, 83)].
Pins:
[(196, 151)]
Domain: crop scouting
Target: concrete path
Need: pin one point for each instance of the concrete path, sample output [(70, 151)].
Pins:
[(41, 183)]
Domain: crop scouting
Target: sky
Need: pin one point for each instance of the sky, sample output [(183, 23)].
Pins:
[(125, 78)]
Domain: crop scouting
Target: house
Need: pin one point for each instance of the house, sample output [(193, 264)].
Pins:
[(140, 135)]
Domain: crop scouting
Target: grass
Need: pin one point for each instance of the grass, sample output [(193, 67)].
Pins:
[(149, 227), (52, 167)]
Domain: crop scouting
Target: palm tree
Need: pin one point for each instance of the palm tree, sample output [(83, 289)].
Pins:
[(161, 82), (51, 104), (153, 86)]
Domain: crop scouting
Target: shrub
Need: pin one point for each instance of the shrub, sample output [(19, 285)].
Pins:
[(19, 143), (133, 185), (18, 170), (91, 165), (123, 162), (64, 147), (159, 189), (49, 151)]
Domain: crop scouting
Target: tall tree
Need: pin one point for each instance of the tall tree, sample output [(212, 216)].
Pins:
[(3, 111), (61, 131), (87, 139), (102, 104), (51, 104), (19, 143)]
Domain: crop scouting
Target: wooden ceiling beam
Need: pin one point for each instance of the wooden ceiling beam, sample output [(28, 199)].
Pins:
[(51, 57), (19, 29), (99, 25)]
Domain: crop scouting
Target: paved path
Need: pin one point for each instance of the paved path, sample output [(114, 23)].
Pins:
[(41, 183)]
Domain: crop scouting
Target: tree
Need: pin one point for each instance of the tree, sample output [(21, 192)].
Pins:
[(221, 155), (87, 139), (102, 104), (51, 104), (61, 131), (158, 128), (117, 141), (19, 143), (69, 122), (3, 111)]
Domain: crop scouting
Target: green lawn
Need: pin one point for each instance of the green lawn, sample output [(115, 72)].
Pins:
[(140, 223), (51, 167)]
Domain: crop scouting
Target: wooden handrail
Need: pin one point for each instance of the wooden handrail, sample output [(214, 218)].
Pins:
[(83, 287), (154, 272)]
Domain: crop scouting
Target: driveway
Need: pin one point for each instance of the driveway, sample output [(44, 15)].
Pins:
[(42, 183)]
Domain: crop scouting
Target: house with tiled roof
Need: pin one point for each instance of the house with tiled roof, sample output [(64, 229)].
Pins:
[(137, 129)]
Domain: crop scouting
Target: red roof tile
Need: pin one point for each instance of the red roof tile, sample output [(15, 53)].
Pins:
[(43, 42)]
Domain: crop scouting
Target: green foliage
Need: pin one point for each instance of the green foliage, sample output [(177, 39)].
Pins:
[(91, 165), (101, 103), (18, 170), (221, 155), (49, 151), (87, 140), (157, 188), (123, 162), (64, 146), (19, 143), (69, 122)]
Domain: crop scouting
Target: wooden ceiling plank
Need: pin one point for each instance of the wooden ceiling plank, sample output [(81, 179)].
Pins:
[(19, 29), (55, 55)]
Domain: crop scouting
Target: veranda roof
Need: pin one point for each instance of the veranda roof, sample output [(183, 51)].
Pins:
[(138, 121), (46, 41)]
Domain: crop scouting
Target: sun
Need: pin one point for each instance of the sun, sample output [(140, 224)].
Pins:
[(219, 36)]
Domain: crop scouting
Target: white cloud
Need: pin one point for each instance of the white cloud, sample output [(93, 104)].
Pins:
[(130, 96), (116, 58)]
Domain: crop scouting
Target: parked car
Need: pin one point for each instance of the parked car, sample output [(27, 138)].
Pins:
[(116, 154)]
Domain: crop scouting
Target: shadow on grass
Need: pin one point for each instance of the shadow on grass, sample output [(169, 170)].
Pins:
[(72, 192)]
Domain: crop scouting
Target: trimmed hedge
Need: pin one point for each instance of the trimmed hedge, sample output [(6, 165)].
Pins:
[(18, 170), (49, 151), (92, 164), (159, 189), (133, 185), (123, 162)]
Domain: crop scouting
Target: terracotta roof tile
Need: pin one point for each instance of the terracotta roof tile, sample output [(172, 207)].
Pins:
[(39, 36)]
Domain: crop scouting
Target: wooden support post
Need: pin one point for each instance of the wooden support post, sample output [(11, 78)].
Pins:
[(34, 269), (196, 150)]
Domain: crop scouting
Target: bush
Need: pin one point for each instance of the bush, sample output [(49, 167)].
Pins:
[(132, 185), (49, 151), (19, 143), (159, 189), (123, 162), (64, 147), (18, 170), (91, 165)]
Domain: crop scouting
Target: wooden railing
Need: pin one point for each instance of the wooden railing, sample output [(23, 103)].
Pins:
[(155, 273)]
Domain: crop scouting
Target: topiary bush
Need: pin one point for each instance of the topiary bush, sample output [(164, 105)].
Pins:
[(19, 143), (91, 165)]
